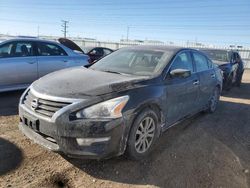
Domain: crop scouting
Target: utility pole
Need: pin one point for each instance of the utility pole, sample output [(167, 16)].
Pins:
[(128, 32), (38, 31), (65, 28)]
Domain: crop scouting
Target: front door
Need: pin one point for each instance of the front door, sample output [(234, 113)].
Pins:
[(182, 93)]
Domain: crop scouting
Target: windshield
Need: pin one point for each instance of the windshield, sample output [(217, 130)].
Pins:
[(134, 61), (217, 55)]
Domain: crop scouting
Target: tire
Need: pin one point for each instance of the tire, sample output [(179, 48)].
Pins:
[(141, 141), (214, 100), (239, 79), (229, 83)]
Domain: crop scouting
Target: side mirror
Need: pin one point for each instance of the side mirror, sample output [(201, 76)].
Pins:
[(180, 73)]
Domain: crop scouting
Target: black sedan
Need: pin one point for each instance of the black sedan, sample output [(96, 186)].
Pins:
[(120, 104), (230, 63), (96, 53)]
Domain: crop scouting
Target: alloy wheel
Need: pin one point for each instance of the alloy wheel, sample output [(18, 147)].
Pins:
[(145, 135)]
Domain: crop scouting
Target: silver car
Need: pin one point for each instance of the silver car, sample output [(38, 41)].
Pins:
[(24, 60)]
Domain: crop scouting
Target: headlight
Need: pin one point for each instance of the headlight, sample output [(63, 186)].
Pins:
[(108, 109)]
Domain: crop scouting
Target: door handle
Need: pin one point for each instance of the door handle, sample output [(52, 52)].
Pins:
[(212, 75), (31, 62), (65, 61), (196, 82)]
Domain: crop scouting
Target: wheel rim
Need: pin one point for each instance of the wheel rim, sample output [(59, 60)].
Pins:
[(214, 100), (144, 135)]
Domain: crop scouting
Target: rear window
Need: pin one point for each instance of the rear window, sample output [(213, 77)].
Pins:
[(200, 61), (217, 55)]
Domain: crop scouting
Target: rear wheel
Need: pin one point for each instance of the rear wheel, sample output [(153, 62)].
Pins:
[(143, 135), (214, 100), (229, 83)]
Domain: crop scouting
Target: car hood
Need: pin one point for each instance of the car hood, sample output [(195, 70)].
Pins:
[(79, 82), (70, 44)]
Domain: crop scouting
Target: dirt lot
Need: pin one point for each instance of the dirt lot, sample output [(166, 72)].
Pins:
[(209, 150)]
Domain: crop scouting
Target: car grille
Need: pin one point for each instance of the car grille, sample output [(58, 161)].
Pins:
[(43, 106)]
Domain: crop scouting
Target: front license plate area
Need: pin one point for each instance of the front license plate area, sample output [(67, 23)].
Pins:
[(31, 122)]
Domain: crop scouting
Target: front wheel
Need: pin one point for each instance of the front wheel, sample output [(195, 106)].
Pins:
[(214, 100), (143, 135)]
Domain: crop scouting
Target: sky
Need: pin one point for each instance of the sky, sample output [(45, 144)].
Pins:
[(219, 22)]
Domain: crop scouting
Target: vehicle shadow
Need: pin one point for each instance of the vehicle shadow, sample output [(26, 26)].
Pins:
[(157, 169), (10, 156), (242, 92), (9, 102), (191, 154)]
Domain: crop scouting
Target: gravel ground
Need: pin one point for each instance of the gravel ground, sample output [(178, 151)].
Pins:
[(209, 150)]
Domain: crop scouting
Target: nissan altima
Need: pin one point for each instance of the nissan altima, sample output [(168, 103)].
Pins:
[(120, 104)]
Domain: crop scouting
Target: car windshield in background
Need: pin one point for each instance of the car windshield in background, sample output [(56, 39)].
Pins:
[(135, 62), (217, 55)]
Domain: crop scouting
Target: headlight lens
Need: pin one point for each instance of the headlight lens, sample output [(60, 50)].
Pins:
[(107, 109)]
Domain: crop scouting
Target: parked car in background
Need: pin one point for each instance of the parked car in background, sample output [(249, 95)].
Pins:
[(121, 103), (96, 53), (228, 62), (23, 61)]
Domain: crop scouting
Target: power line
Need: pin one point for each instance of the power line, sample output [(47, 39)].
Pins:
[(65, 27), (214, 26)]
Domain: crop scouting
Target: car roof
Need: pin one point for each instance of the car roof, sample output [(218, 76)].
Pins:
[(30, 39), (159, 47)]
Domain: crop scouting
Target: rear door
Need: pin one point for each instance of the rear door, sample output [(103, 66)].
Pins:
[(182, 93), (207, 78), (18, 64), (51, 57)]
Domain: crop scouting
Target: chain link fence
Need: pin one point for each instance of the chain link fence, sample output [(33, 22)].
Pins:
[(244, 52)]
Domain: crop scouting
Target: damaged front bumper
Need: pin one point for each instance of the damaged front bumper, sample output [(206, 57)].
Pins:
[(85, 138)]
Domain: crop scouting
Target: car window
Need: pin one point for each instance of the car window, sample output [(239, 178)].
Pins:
[(217, 55), (236, 57), (182, 61), (22, 49), (97, 51), (210, 63), (5, 50), (49, 49), (106, 51), (200, 62)]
